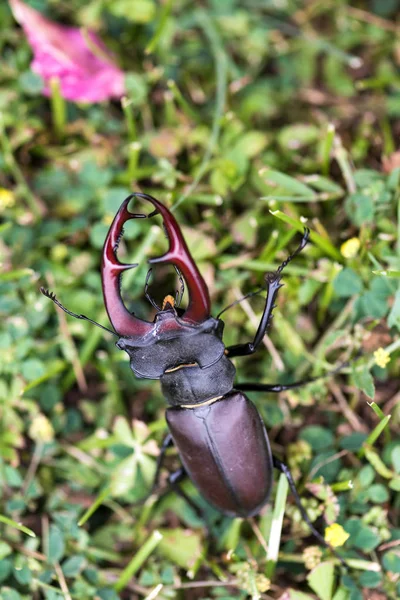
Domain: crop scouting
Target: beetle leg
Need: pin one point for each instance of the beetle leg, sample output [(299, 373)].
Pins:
[(283, 387), (52, 297), (278, 464), (181, 291), (273, 281), (146, 291)]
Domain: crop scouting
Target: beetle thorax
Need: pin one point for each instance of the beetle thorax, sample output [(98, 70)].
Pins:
[(189, 359)]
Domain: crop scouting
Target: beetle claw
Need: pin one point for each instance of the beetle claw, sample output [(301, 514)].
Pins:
[(122, 320), (178, 254)]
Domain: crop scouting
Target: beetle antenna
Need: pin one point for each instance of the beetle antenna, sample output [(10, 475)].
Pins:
[(52, 297), (249, 295), (278, 464), (146, 293), (300, 247)]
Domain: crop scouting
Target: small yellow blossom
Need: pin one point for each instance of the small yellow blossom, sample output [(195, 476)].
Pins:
[(382, 358), (312, 556), (335, 535), (7, 199), (41, 430), (350, 247)]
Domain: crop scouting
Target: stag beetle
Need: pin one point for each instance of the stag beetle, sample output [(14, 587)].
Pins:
[(218, 432)]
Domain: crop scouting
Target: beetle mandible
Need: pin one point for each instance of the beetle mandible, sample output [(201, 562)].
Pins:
[(219, 434)]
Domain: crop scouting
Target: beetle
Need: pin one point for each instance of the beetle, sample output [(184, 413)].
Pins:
[(218, 432)]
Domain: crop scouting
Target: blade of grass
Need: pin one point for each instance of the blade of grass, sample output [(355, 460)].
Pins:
[(18, 526), (57, 367), (377, 410), (126, 104), (323, 197), (342, 486), (12, 166), (221, 76), (326, 149), (181, 101), (324, 244), (390, 273), (162, 21), (276, 526), (58, 109), (342, 158), (137, 561), (276, 178), (373, 436), (95, 505), (15, 274)]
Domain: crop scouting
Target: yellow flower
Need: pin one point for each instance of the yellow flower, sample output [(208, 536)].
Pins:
[(7, 199), (335, 535), (350, 247), (41, 430), (382, 358), (312, 556)]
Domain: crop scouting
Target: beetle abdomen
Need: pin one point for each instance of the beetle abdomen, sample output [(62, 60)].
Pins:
[(225, 451)]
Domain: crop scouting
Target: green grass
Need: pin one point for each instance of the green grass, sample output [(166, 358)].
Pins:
[(250, 120)]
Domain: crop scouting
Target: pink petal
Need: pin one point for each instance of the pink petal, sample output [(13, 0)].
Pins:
[(80, 60)]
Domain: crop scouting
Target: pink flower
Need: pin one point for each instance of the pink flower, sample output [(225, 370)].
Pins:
[(77, 57)]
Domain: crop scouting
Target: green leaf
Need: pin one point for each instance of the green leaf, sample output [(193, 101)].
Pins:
[(364, 381), (377, 463), (31, 83), (395, 457), (6, 566), (294, 137), (140, 11), (341, 594), (366, 539), (347, 283), (321, 580), (137, 89), (353, 442), (5, 549), (124, 476), (181, 547), (296, 595), (378, 493), (9, 594), (365, 476), (391, 561), (285, 182), (32, 369), (56, 546), (370, 579), (394, 315), (360, 208), (23, 575), (318, 437), (251, 143), (73, 565)]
